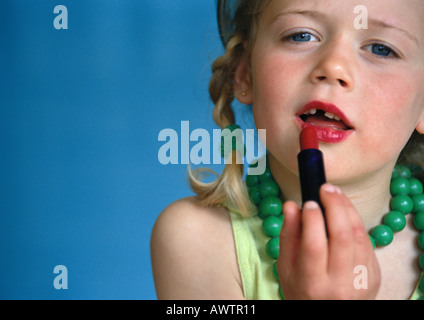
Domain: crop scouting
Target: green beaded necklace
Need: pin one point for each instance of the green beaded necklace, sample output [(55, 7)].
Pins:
[(407, 197)]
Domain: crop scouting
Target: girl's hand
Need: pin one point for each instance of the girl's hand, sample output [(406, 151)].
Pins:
[(312, 267)]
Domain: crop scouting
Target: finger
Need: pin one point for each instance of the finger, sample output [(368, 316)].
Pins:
[(313, 251), (339, 225), (289, 238), (360, 234), (364, 254)]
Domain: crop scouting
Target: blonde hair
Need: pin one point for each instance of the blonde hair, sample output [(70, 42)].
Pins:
[(229, 189)]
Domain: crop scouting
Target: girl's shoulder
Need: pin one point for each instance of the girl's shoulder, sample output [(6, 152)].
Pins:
[(188, 242), (186, 218)]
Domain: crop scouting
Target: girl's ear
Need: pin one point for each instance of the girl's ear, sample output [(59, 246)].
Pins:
[(242, 83)]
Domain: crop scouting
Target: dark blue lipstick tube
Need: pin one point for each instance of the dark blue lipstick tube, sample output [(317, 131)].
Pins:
[(311, 174)]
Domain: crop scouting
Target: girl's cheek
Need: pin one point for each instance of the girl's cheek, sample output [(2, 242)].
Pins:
[(392, 97), (275, 88)]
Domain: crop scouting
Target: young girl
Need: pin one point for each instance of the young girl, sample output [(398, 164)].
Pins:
[(303, 63)]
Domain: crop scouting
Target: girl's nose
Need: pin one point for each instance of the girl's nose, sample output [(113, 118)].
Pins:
[(333, 68)]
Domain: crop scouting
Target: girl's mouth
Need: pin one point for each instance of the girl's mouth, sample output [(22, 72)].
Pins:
[(324, 119), (329, 122)]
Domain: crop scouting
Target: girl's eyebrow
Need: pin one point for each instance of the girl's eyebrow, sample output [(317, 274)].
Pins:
[(311, 13), (381, 24)]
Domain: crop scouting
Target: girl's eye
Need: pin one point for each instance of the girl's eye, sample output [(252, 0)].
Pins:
[(301, 37), (382, 50)]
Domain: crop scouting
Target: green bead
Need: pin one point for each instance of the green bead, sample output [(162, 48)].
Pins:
[(266, 175), (372, 241), (232, 127), (269, 188), (395, 220), (419, 221), (402, 203), (252, 180), (421, 240), (404, 172), (254, 195), (395, 173), (254, 164), (272, 226), (272, 248), (422, 284), (275, 271), (418, 201), (416, 187), (270, 206), (421, 261), (399, 186), (382, 235), (281, 293)]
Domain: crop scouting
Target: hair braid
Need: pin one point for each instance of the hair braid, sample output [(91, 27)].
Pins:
[(228, 189), (221, 83)]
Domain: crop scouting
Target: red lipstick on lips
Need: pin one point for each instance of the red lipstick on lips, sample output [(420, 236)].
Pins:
[(329, 122)]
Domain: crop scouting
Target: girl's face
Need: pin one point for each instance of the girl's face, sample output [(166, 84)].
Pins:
[(364, 66)]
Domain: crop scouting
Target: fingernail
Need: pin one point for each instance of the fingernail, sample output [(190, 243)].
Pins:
[(310, 205), (329, 188)]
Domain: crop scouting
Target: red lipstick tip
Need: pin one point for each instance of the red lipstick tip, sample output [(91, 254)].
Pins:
[(308, 139)]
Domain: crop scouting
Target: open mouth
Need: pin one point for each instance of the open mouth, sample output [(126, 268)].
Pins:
[(323, 119), (329, 122)]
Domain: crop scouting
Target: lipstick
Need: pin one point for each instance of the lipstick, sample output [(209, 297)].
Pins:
[(329, 122), (311, 166)]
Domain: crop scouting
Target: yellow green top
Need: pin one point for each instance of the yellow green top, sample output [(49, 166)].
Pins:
[(254, 264)]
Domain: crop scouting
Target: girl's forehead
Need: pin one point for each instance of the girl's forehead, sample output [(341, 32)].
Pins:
[(400, 11)]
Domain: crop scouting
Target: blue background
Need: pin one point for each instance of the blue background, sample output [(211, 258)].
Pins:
[(81, 110)]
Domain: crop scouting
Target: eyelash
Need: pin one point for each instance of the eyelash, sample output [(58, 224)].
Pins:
[(391, 55), (292, 35)]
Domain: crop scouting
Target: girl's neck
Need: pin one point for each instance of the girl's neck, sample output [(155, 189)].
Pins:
[(370, 194)]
